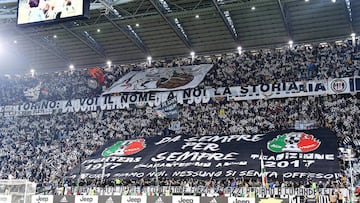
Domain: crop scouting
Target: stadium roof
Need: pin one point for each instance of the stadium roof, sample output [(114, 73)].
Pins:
[(128, 31)]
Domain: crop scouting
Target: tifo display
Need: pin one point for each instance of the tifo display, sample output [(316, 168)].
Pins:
[(201, 130), (286, 155)]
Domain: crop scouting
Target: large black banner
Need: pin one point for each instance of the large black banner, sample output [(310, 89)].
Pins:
[(288, 154)]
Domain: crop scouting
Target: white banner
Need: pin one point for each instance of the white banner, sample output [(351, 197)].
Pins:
[(86, 199), (237, 93), (161, 79), (32, 94), (133, 199), (5, 199), (305, 124), (339, 85), (186, 199), (241, 200), (42, 199)]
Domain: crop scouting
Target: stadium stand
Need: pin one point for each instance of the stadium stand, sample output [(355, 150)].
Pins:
[(303, 62), (45, 148)]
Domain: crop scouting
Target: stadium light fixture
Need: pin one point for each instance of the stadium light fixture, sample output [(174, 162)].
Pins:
[(353, 39), (306, 0), (192, 54), (108, 63), (55, 36), (334, 1), (98, 30), (253, 8), (239, 48), (197, 16), (71, 67), (15, 41), (137, 25), (291, 43), (149, 58), (32, 72)]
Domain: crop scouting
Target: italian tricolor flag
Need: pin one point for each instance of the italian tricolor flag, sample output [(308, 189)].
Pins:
[(263, 171)]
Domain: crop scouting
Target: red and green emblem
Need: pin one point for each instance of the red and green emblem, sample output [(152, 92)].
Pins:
[(125, 148), (293, 142)]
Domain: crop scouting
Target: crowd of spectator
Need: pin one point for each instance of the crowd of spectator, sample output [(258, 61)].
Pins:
[(45, 148), (191, 186), (303, 62)]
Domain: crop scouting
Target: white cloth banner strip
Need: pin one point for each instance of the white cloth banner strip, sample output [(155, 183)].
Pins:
[(196, 95)]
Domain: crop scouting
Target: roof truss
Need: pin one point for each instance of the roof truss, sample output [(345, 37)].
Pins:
[(86, 39), (172, 24), (130, 35), (226, 18)]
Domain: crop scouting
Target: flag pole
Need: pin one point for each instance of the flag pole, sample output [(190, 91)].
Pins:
[(263, 170), (103, 172), (78, 179), (156, 178)]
